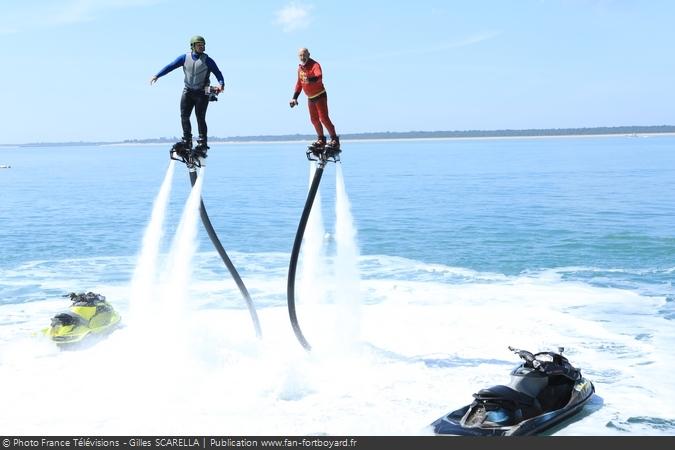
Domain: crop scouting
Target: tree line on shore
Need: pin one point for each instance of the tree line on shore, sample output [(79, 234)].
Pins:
[(534, 132)]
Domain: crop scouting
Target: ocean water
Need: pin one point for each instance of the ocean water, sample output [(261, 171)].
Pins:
[(463, 247)]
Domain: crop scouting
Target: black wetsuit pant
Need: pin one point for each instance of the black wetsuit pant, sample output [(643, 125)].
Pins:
[(198, 101)]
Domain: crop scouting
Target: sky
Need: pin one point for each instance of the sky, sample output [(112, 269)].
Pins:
[(79, 70)]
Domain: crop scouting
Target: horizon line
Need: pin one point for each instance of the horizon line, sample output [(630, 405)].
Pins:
[(506, 132)]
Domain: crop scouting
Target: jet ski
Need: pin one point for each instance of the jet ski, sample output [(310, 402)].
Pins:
[(544, 390), (89, 314)]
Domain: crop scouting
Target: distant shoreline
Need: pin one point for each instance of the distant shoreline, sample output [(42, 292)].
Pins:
[(475, 138), (597, 132), (482, 138)]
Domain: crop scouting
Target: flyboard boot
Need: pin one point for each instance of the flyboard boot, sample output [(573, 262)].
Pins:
[(182, 149), (192, 157), (316, 147), (332, 149), (334, 142), (199, 152)]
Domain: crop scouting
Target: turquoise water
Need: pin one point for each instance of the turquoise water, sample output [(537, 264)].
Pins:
[(466, 246), (505, 206)]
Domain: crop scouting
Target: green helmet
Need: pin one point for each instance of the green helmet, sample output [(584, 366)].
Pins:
[(196, 39)]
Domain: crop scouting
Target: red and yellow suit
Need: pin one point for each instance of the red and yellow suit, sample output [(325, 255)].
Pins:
[(310, 80)]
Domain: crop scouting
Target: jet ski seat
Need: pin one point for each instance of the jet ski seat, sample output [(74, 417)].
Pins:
[(504, 393), (66, 318), (501, 405)]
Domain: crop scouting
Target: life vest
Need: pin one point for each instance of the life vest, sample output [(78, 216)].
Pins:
[(196, 72)]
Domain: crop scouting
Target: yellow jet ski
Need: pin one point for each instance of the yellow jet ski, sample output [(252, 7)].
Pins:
[(89, 314)]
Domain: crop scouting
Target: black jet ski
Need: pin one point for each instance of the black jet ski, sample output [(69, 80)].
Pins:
[(544, 390)]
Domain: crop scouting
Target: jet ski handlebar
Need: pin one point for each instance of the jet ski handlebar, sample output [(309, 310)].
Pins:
[(89, 297), (549, 363), (74, 295), (524, 354)]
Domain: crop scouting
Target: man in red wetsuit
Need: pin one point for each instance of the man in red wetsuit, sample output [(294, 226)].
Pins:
[(310, 81)]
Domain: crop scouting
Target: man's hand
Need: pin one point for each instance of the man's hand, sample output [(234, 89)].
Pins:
[(218, 89), (153, 80), (293, 102)]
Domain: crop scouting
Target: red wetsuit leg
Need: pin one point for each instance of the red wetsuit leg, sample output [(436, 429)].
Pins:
[(322, 108), (314, 117)]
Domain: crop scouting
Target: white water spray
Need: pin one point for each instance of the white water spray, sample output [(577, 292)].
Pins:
[(144, 278), (347, 293), (178, 271), (157, 349), (311, 290)]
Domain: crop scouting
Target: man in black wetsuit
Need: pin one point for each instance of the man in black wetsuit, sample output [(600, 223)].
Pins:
[(197, 67)]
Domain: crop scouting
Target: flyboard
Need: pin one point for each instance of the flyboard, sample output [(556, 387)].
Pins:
[(193, 158), (321, 155)]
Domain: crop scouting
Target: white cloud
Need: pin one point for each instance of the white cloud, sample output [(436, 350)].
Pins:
[(69, 12), (294, 17)]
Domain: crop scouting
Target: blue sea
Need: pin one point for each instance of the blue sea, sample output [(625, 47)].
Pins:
[(465, 247)]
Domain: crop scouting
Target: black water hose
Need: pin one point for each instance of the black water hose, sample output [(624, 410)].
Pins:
[(223, 255), (293, 265)]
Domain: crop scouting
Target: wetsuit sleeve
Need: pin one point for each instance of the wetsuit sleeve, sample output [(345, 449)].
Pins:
[(211, 64), (298, 88), (178, 62)]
